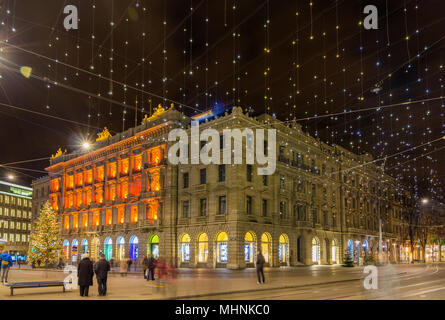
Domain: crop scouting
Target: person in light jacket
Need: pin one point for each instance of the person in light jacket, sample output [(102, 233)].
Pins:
[(85, 274), (123, 267)]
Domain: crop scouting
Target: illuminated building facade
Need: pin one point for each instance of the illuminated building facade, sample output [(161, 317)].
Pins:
[(15, 218), (123, 198)]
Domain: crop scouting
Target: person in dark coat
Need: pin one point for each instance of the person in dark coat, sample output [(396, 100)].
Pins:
[(145, 266), (260, 261), (101, 268), (151, 264), (85, 274)]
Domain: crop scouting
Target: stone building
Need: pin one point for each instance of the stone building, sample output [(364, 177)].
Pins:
[(123, 198)]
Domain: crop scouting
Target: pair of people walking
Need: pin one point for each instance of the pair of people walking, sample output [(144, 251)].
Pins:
[(151, 266), (86, 271), (6, 263)]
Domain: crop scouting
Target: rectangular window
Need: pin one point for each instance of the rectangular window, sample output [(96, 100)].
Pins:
[(222, 205), (222, 173), (185, 180), (185, 209), (249, 173), (265, 180), (325, 218), (264, 208), (283, 210), (282, 182), (203, 176), (249, 205), (203, 207)]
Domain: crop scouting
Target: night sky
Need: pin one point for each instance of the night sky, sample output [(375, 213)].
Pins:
[(255, 54)]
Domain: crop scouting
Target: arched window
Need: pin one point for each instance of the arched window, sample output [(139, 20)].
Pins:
[(84, 245), (283, 249), (351, 248), (74, 249), (120, 248), (334, 251), (203, 247), (66, 249), (365, 246), (153, 246), (134, 248), (315, 250), (108, 248), (222, 248), (184, 245), (266, 243), (249, 247)]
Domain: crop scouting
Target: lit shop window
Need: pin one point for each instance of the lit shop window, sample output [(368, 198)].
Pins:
[(108, 248), (120, 248), (185, 248), (266, 245), (249, 248), (153, 246), (315, 250), (203, 247), (283, 248), (222, 247), (134, 248)]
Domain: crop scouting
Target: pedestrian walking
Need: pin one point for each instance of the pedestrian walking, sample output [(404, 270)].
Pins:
[(6, 261), (85, 274), (123, 267), (151, 264), (145, 266), (101, 268), (129, 262), (260, 261)]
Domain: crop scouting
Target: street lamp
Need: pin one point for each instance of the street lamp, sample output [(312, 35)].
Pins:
[(425, 201), (10, 177)]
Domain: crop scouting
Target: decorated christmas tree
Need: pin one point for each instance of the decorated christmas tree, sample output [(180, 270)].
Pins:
[(347, 260), (45, 238)]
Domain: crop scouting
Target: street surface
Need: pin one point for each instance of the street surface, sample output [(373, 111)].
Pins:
[(419, 281)]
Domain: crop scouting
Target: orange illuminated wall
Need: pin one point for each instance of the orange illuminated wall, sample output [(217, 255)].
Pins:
[(89, 176), (88, 196), (99, 197), (136, 186), (112, 170), (134, 214), (122, 190), (75, 221), (79, 179), (55, 186), (152, 210), (54, 201), (95, 218), (155, 184), (100, 174), (69, 200), (70, 181), (85, 220), (109, 217), (66, 223), (120, 215), (111, 192), (137, 162), (124, 166), (78, 198)]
